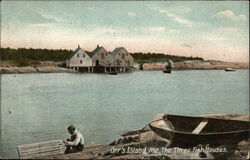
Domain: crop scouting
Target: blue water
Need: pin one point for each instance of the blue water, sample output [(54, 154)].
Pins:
[(39, 107)]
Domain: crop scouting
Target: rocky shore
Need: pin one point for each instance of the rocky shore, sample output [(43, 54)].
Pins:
[(16, 70), (134, 142), (185, 65), (196, 65)]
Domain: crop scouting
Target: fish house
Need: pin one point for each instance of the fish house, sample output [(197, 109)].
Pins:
[(79, 60)]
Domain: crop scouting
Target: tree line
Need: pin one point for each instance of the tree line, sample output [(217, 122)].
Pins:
[(160, 57), (31, 56)]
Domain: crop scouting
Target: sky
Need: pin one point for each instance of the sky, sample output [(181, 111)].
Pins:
[(209, 29)]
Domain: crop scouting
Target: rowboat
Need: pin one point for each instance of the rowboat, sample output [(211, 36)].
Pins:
[(166, 71), (229, 70), (187, 131), (112, 73)]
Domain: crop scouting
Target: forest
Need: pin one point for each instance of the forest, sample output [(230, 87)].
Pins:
[(31, 56)]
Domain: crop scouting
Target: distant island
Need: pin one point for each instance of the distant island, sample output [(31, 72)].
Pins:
[(23, 60)]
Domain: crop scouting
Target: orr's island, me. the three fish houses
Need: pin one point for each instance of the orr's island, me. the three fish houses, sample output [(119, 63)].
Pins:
[(100, 60)]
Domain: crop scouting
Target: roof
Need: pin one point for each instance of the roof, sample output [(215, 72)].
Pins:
[(78, 49), (98, 50), (118, 50), (74, 52)]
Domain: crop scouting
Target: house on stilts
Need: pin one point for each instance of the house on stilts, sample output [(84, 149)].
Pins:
[(100, 60), (79, 60)]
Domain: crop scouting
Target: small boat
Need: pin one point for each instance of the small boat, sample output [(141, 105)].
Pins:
[(168, 66), (187, 131), (112, 73), (166, 71), (229, 69)]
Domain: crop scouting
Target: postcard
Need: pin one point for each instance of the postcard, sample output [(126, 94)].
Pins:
[(124, 80)]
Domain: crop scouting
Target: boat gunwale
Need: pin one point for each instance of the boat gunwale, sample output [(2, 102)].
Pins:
[(201, 134)]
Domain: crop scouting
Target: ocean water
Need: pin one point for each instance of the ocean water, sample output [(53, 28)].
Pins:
[(39, 107)]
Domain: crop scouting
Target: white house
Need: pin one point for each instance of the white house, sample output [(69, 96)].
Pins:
[(100, 60), (79, 60)]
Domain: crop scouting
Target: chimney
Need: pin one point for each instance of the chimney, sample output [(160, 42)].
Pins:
[(97, 46), (78, 46)]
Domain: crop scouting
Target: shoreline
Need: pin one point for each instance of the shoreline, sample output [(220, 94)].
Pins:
[(27, 70), (186, 65), (130, 140)]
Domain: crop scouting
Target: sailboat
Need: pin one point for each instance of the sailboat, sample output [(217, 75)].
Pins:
[(168, 66)]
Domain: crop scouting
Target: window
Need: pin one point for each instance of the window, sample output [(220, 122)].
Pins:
[(118, 62), (123, 56), (77, 55), (83, 55), (81, 61), (106, 54), (128, 62), (102, 55), (126, 54)]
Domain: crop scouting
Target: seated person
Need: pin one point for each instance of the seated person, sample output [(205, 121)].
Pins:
[(76, 142)]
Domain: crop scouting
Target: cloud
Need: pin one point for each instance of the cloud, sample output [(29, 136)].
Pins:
[(180, 19), (180, 10), (131, 14), (41, 25), (160, 29), (109, 30), (230, 15), (172, 13), (156, 29), (49, 16), (186, 45)]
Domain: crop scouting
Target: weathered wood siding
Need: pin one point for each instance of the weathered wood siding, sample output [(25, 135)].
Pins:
[(103, 56), (118, 58), (79, 59), (122, 58)]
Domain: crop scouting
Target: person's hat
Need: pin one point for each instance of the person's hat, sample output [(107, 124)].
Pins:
[(71, 127)]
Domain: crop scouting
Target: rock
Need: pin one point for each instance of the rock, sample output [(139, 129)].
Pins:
[(125, 140), (46, 69), (17, 70)]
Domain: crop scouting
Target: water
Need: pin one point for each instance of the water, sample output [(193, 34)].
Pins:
[(39, 107)]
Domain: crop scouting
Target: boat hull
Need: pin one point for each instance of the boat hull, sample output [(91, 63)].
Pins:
[(183, 137), (166, 71), (113, 73), (229, 70)]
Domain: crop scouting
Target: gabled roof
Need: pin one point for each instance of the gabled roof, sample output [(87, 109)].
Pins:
[(74, 52), (78, 49), (98, 50), (118, 50)]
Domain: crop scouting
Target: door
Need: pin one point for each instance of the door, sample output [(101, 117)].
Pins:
[(97, 63)]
